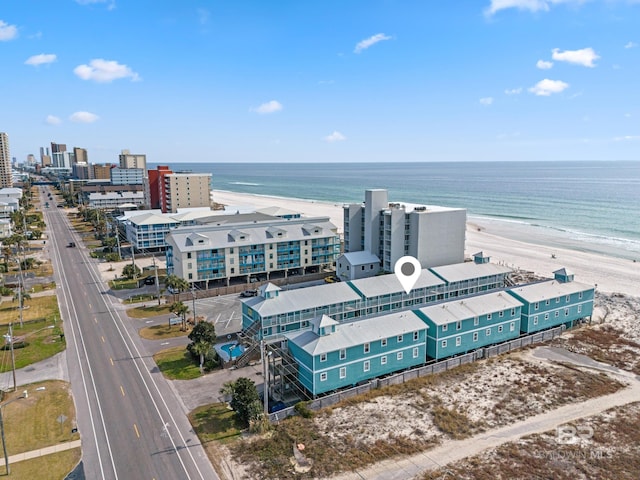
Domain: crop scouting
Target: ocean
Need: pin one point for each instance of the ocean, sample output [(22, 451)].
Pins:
[(589, 206)]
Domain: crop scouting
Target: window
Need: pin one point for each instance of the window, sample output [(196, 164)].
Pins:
[(191, 276), (547, 302), (188, 254), (499, 328), (566, 312), (416, 335), (546, 316), (579, 308), (580, 295), (501, 314), (231, 250), (366, 366), (444, 344), (367, 348), (567, 298), (383, 360), (399, 356), (323, 376), (444, 327), (189, 265), (383, 342), (512, 326), (476, 321), (400, 338), (536, 305), (487, 332), (458, 341), (475, 336), (343, 354), (557, 314), (458, 325), (415, 352), (343, 372), (323, 357), (513, 312), (488, 316), (535, 320), (557, 299)]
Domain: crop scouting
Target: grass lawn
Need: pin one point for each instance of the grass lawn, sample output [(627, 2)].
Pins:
[(40, 287), (123, 284), (150, 311), (42, 342), (33, 422), (143, 297), (35, 309), (215, 422), (57, 465), (176, 364), (158, 332)]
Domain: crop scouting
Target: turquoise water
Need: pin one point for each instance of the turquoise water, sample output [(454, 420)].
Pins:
[(233, 350), (593, 206)]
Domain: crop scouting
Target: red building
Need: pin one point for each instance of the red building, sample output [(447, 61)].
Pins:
[(156, 185)]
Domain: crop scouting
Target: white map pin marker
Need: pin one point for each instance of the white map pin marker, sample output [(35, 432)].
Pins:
[(407, 270)]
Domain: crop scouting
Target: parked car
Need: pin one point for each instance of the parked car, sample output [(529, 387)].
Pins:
[(71, 244), (172, 290), (331, 279), (276, 407), (249, 293), (150, 281)]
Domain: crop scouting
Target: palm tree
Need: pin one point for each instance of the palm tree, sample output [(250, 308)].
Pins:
[(201, 348), (177, 284), (181, 310)]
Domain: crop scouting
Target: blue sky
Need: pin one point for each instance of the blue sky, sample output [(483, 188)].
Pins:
[(323, 81)]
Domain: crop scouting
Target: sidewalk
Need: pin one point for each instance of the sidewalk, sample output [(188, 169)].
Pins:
[(41, 452)]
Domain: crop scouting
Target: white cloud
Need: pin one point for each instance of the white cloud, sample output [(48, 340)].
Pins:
[(7, 32), (627, 138), (530, 5), (544, 65), (335, 137), (513, 91), (104, 71), (546, 87), (269, 107), (111, 6), (83, 117), (627, 115), (41, 59), (368, 42), (584, 56), (486, 101), (631, 45), (52, 120)]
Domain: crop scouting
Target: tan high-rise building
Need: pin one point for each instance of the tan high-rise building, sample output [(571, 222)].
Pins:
[(130, 160), (186, 190), (101, 172), (5, 162), (80, 155)]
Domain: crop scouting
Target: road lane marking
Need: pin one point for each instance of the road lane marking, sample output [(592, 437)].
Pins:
[(148, 321), (102, 339), (135, 427), (111, 360), (95, 319), (122, 390), (164, 343)]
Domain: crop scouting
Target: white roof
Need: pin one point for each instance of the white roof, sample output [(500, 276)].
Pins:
[(277, 211), (389, 284), (115, 195), (358, 332), (303, 298), (152, 219), (536, 292), (469, 270), (448, 312), (360, 258), (11, 191)]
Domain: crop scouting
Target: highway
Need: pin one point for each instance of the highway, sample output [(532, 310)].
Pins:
[(132, 425)]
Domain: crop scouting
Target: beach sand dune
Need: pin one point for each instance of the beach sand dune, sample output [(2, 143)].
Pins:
[(610, 274)]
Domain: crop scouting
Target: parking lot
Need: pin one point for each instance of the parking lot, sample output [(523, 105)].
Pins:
[(224, 312)]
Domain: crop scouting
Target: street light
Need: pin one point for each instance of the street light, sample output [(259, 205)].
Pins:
[(25, 394)]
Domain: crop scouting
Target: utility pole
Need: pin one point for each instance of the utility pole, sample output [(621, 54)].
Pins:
[(155, 268), (133, 260), (118, 242), (193, 295), (13, 358)]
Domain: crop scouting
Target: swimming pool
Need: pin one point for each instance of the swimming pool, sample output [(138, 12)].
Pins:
[(229, 351)]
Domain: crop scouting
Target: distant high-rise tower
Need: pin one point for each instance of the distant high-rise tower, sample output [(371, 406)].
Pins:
[(80, 155), (5, 162), (130, 160), (58, 147)]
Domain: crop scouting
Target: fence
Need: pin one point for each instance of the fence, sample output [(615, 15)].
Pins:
[(429, 369)]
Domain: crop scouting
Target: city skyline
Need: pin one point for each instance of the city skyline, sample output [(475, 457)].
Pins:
[(367, 81)]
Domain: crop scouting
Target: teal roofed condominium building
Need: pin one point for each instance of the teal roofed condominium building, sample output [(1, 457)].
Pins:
[(464, 325), (334, 355)]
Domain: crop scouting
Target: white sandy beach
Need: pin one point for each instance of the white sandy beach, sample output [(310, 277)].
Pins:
[(610, 274)]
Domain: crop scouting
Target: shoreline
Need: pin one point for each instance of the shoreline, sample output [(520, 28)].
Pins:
[(508, 243)]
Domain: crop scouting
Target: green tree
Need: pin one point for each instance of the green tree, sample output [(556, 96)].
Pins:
[(28, 263), (181, 310), (202, 337), (130, 270), (177, 284), (244, 398), (21, 296)]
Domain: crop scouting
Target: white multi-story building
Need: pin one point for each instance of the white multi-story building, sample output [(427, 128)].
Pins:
[(132, 160), (5, 161), (264, 247), (115, 200), (127, 176), (434, 235)]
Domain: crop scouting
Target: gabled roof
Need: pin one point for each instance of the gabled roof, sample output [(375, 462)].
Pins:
[(389, 284), (323, 321), (359, 258), (277, 211), (196, 239), (448, 312), (358, 332), (565, 272), (536, 292), (152, 218), (469, 270)]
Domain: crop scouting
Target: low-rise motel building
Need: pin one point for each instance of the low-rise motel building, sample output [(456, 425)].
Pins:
[(551, 303), (468, 324), (275, 246), (331, 355), (275, 312)]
